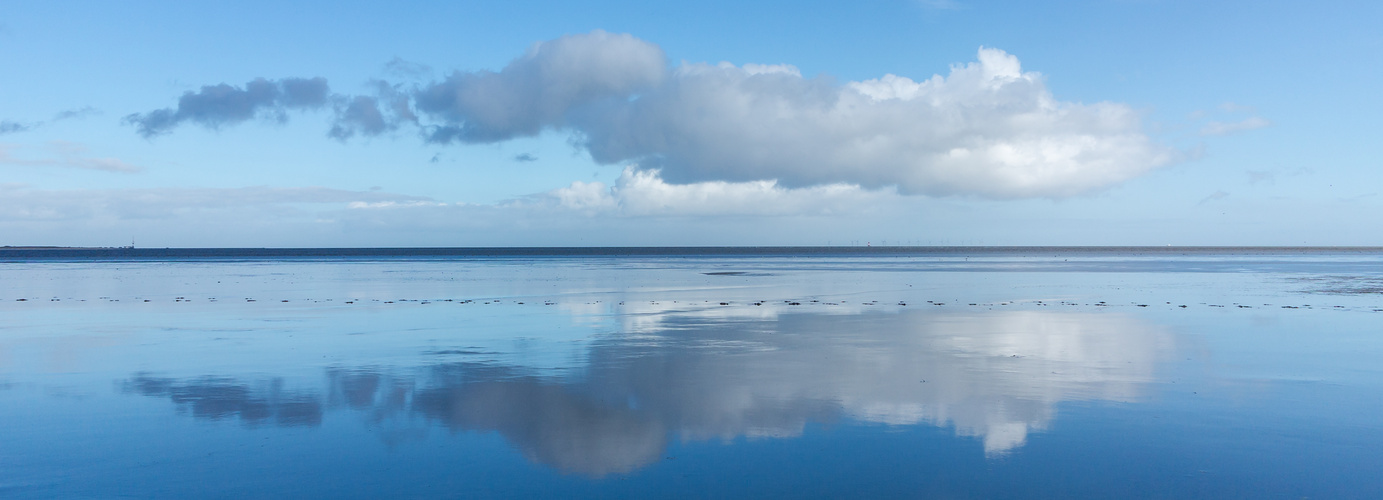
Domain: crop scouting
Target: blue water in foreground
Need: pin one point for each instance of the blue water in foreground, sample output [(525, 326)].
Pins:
[(703, 373)]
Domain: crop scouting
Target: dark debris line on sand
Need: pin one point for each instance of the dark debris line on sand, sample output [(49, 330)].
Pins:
[(1341, 285)]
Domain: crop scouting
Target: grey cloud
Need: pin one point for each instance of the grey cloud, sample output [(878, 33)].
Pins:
[(372, 115), (76, 113), (302, 93), (525, 157), (359, 115), (218, 105), (10, 127), (540, 88)]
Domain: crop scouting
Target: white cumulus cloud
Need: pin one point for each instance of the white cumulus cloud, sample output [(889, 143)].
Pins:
[(986, 129), (644, 193)]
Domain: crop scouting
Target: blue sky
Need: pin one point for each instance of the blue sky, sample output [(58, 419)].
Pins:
[(708, 123)]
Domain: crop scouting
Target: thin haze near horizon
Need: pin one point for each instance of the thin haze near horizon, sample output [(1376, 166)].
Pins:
[(619, 123)]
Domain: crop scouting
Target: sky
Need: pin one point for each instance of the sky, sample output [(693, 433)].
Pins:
[(907, 122)]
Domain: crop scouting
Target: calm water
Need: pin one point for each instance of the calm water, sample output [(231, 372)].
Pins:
[(1015, 373)]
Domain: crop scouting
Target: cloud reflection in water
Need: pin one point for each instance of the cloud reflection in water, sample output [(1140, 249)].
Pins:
[(996, 376), (219, 398)]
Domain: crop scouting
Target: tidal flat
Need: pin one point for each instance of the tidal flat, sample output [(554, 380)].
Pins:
[(965, 373)]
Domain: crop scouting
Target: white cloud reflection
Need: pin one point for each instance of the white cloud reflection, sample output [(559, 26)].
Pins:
[(995, 376), (690, 372)]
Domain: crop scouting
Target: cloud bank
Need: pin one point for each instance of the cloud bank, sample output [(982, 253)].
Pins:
[(986, 129), (19, 203), (636, 194)]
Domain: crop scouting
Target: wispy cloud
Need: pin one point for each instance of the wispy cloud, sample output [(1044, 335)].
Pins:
[(11, 126), (76, 113), (1270, 176), (20, 203), (68, 155), (525, 158), (1223, 128), (398, 67), (1262, 177), (1215, 196)]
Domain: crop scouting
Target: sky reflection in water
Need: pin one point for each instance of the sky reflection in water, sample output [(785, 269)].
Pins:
[(995, 376), (558, 381)]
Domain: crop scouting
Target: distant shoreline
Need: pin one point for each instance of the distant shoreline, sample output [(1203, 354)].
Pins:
[(23, 253), (42, 247)]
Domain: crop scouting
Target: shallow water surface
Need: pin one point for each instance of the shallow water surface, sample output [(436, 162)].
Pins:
[(1089, 374)]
